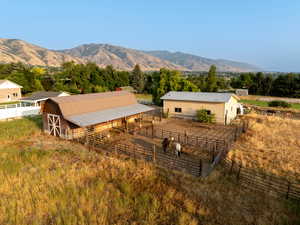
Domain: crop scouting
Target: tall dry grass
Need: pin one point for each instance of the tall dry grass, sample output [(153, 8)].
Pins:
[(272, 144), (44, 180)]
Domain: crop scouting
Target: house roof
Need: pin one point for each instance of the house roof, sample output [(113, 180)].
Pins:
[(9, 84), (90, 109), (198, 96), (43, 95)]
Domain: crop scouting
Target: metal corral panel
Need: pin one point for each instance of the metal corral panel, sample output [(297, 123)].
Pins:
[(88, 119), (197, 96)]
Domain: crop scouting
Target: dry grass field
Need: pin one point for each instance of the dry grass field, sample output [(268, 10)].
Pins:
[(44, 180), (272, 144)]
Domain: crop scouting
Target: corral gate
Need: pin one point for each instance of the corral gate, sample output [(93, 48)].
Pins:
[(54, 127)]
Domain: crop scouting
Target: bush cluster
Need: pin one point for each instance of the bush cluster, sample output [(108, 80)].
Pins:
[(204, 116), (278, 103)]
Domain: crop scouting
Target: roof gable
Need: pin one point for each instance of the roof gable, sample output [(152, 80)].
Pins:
[(7, 84), (198, 96)]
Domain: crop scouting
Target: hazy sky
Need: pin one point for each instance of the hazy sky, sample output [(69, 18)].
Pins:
[(262, 32)]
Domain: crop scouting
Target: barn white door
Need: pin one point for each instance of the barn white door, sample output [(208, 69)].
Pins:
[(54, 125)]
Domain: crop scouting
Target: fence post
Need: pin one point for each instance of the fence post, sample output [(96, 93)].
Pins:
[(200, 168), (134, 152), (152, 129), (213, 156), (238, 174), (288, 190), (185, 137), (154, 153), (231, 168)]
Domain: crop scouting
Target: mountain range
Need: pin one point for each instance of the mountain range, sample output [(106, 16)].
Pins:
[(14, 50)]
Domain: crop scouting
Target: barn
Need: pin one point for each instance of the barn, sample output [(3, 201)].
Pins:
[(183, 104), (69, 116)]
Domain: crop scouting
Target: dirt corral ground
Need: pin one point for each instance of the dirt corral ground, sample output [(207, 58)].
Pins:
[(272, 144), (198, 129), (148, 143)]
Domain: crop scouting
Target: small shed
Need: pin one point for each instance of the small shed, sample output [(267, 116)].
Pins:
[(74, 114), (38, 98), (241, 92), (183, 104)]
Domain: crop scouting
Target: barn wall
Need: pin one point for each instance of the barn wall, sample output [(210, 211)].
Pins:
[(231, 109), (189, 109), (51, 107), (80, 131)]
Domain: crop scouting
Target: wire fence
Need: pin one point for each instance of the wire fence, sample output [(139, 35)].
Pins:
[(258, 181)]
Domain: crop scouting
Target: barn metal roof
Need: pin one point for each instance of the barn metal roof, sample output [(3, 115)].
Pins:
[(198, 96), (92, 118), (88, 103)]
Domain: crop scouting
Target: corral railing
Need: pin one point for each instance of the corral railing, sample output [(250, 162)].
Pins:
[(111, 141), (258, 181), (185, 163), (205, 143)]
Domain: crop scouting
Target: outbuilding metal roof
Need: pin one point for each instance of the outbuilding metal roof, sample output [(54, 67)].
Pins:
[(42, 95), (198, 96), (92, 118)]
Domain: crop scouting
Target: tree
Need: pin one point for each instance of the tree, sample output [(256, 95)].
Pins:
[(138, 79), (211, 79), (169, 80)]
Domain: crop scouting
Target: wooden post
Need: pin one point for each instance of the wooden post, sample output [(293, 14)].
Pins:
[(200, 168), (213, 156), (152, 129), (86, 136), (185, 137), (161, 115), (154, 153), (288, 190), (238, 174), (140, 120), (231, 168), (178, 137), (162, 133)]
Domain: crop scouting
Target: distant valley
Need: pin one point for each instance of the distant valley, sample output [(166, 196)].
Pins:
[(14, 50)]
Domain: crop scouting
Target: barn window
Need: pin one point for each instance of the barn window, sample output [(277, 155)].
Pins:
[(208, 112), (178, 110)]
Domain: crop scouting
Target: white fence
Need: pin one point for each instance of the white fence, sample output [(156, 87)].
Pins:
[(18, 110)]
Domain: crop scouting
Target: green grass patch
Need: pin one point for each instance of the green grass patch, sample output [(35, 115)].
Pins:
[(265, 103), (145, 97), (9, 103), (14, 129)]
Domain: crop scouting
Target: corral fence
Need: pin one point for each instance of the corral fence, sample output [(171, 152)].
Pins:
[(101, 142), (258, 181), (188, 163), (205, 143)]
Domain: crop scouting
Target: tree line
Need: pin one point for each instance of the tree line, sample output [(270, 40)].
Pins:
[(90, 78), (287, 85)]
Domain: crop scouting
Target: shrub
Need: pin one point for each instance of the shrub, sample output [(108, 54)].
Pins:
[(277, 103), (204, 116)]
